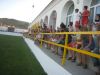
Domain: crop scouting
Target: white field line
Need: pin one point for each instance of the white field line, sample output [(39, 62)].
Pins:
[(11, 33)]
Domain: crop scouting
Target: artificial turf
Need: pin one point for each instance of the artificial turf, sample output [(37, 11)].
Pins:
[(16, 57)]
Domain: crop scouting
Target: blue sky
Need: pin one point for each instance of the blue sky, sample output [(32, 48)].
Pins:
[(22, 9)]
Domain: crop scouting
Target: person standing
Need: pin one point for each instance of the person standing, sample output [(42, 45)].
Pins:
[(77, 16), (85, 14)]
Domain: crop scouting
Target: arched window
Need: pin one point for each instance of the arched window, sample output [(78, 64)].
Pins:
[(53, 19), (70, 14), (41, 22), (94, 9), (71, 9), (46, 20)]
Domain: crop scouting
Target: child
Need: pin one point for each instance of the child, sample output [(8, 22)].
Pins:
[(70, 27)]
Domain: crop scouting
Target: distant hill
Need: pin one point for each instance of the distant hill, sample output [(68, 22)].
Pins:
[(16, 23)]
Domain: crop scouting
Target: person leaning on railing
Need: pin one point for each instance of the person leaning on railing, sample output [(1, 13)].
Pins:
[(62, 37), (71, 54)]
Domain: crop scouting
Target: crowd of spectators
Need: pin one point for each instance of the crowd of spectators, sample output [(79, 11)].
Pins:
[(86, 42)]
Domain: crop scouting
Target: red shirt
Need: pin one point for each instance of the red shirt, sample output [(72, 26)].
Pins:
[(85, 16)]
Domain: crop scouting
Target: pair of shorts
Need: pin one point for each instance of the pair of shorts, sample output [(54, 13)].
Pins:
[(77, 24)]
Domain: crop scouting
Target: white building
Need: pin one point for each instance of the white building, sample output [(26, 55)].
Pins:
[(58, 11)]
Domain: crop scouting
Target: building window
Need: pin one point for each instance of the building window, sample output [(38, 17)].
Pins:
[(70, 15), (94, 2), (98, 10), (91, 14), (94, 9)]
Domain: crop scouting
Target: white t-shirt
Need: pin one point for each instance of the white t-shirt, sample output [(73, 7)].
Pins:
[(76, 18)]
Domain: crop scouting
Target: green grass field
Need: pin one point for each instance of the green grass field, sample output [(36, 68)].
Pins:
[(16, 58)]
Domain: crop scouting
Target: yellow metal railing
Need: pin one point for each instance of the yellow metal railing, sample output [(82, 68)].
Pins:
[(69, 48)]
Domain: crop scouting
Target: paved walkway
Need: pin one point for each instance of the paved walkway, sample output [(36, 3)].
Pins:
[(69, 66), (49, 65)]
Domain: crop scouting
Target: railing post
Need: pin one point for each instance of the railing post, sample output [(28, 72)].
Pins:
[(65, 50), (34, 36), (41, 40)]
